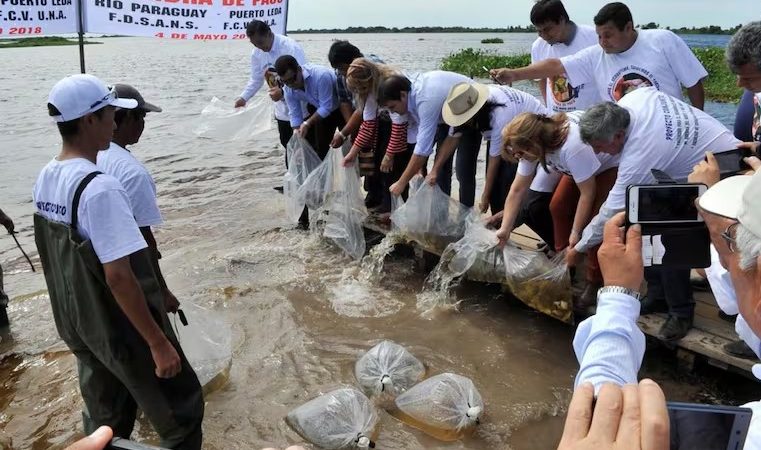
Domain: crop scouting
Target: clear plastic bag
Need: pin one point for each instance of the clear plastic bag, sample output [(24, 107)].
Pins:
[(476, 255), (446, 406), (221, 121), (387, 370), (341, 419), (206, 342), (335, 194), (302, 160), (431, 218), (539, 282)]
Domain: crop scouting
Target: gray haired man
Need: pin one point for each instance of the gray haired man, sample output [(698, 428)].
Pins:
[(744, 59), (652, 130)]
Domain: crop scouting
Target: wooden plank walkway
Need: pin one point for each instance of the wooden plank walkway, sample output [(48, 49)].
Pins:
[(704, 341)]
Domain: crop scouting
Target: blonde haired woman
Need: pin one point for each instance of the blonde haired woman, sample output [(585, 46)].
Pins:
[(381, 142), (555, 141)]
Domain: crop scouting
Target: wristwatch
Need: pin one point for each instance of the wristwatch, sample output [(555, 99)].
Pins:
[(618, 290)]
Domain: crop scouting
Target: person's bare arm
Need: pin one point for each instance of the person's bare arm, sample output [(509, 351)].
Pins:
[(126, 290), (518, 191), (543, 69), (697, 95)]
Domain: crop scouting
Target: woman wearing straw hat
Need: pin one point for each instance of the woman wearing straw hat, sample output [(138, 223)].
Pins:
[(555, 141), (487, 109)]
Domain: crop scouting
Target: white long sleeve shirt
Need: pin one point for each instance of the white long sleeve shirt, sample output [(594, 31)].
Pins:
[(610, 347), (261, 61)]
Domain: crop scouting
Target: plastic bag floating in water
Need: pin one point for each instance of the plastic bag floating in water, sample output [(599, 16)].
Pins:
[(302, 160), (341, 419), (387, 370), (221, 121), (446, 406), (206, 343)]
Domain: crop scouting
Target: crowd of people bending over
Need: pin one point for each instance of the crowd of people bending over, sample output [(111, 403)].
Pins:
[(611, 111)]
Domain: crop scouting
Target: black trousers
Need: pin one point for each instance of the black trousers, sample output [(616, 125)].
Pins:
[(285, 131), (672, 286), (374, 184), (466, 159), (535, 213)]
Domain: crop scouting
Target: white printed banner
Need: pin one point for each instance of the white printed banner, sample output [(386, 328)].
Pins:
[(183, 19), (25, 18)]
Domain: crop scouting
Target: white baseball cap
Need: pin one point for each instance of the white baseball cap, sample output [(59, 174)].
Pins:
[(77, 95), (738, 198)]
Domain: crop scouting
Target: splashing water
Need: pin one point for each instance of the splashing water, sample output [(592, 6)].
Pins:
[(372, 265)]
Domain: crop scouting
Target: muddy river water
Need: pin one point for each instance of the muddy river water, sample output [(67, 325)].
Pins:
[(299, 311)]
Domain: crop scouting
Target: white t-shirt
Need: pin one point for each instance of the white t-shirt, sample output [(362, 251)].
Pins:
[(665, 134), (515, 102), (574, 158), (105, 217), (658, 58), (134, 177), (561, 95)]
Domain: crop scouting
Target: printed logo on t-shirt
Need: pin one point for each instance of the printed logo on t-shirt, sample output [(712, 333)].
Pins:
[(756, 126), (563, 92), (629, 79)]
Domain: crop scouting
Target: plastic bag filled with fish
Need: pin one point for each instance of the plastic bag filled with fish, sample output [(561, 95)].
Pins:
[(342, 212), (387, 370), (446, 406), (205, 340), (550, 292), (341, 419), (476, 254), (220, 121), (539, 282), (431, 218), (302, 160)]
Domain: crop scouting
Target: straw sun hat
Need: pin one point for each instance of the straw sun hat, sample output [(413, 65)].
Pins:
[(463, 102)]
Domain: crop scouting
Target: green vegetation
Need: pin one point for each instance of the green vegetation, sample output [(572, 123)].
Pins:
[(492, 41), (471, 62), (45, 41), (720, 85)]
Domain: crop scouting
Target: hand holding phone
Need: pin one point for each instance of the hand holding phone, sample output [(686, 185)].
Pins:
[(732, 162)]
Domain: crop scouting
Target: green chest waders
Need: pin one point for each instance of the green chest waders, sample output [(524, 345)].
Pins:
[(116, 368)]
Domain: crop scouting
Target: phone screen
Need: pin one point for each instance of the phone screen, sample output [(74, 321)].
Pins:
[(668, 203), (696, 426), (731, 162)]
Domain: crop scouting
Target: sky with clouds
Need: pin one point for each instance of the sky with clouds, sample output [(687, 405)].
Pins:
[(502, 13)]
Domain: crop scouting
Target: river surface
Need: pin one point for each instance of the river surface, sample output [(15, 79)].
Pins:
[(299, 313)]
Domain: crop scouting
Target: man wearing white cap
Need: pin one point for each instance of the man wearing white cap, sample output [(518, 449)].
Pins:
[(107, 303)]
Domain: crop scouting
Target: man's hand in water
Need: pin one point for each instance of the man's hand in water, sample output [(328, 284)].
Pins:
[(240, 103)]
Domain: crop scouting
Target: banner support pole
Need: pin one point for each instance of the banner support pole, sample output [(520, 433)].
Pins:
[(81, 15), (285, 28)]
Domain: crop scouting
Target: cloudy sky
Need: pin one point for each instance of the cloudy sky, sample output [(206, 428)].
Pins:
[(501, 13)]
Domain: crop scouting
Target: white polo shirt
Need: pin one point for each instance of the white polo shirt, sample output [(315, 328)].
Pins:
[(513, 102)]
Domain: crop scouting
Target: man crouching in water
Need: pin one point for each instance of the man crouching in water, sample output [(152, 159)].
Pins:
[(107, 302)]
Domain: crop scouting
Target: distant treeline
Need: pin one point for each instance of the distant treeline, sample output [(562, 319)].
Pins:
[(528, 29), (713, 29)]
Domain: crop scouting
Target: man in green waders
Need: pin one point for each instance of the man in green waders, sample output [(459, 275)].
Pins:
[(107, 303)]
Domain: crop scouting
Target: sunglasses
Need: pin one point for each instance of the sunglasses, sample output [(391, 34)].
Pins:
[(288, 81)]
